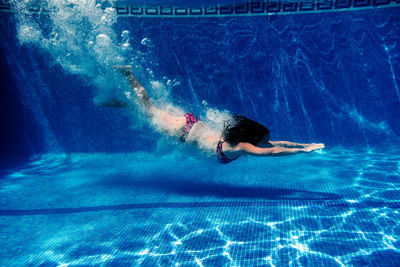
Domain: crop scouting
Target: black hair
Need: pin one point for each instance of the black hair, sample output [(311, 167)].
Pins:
[(242, 129)]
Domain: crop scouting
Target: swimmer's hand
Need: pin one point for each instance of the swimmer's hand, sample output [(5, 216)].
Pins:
[(313, 146)]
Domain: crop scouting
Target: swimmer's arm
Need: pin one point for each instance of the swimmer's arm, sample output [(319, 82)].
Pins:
[(274, 151), (287, 144)]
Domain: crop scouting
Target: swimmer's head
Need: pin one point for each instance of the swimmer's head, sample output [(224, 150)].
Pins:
[(242, 129)]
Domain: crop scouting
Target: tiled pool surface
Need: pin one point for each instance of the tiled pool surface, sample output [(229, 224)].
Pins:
[(336, 208)]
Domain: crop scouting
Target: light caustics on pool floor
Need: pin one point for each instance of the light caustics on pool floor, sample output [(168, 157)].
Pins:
[(337, 208)]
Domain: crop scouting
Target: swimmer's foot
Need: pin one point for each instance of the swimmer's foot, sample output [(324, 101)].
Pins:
[(109, 102), (124, 70)]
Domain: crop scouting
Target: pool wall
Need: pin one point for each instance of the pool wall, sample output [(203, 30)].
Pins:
[(327, 77)]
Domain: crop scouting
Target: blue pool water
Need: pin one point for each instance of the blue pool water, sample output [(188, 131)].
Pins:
[(83, 185), (334, 209)]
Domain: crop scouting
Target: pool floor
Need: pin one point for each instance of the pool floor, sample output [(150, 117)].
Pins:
[(334, 208)]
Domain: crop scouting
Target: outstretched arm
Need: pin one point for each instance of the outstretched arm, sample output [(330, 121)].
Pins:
[(276, 151), (291, 144)]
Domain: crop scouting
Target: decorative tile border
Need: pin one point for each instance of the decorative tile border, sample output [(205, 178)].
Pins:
[(248, 8), (255, 7)]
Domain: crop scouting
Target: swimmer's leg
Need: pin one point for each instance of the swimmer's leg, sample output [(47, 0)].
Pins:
[(140, 93), (164, 120)]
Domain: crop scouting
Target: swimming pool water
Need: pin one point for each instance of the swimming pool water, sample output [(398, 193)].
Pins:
[(99, 187), (124, 209)]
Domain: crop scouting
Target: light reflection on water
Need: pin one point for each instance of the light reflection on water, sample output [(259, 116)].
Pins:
[(336, 208)]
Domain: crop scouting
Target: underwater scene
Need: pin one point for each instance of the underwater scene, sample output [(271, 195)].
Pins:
[(200, 133)]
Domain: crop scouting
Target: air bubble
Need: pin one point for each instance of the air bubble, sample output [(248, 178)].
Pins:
[(146, 42)]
